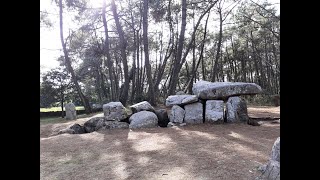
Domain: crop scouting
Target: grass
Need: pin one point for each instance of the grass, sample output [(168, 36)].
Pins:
[(53, 120), (57, 109)]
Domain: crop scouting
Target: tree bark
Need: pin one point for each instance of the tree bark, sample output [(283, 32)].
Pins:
[(84, 99), (146, 52), (123, 45), (181, 60), (215, 66), (107, 50), (177, 61), (61, 101)]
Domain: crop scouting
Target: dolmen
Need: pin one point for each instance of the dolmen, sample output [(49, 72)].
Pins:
[(212, 102)]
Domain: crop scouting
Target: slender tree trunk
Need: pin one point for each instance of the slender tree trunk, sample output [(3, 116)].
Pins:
[(146, 52), (84, 99), (177, 61), (123, 46), (133, 68), (190, 83), (183, 59), (61, 101), (138, 68), (107, 50), (215, 66)]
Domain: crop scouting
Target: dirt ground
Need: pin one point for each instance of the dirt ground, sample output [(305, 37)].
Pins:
[(225, 151)]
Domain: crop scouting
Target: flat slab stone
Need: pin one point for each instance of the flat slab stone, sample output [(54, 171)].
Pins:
[(194, 113), (223, 90), (142, 106), (214, 111), (181, 99)]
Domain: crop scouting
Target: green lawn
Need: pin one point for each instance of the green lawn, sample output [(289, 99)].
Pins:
[(58, 109), (53, 120)]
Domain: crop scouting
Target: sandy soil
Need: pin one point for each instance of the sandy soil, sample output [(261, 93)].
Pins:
[(225, 151)]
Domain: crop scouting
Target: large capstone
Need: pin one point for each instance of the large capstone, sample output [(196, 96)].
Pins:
[(143, 119), (181, 100), (163, 118), (94, 124), (194, 113), (223, 90), (176, 114), (71, 112), (142, 106), (114, 111), (236, 110), (214, 112)]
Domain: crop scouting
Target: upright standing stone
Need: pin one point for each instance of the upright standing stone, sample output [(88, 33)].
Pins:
[(214, 111), (114, 111), (194, 113), (236, 109), (71, 112), (271, 170), (177, 114)]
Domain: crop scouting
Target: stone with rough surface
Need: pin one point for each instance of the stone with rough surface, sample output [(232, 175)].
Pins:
[(71, 113), (177, 114), (223, 90), (78, 129), (194, 113), (94, 124), (214, 111), (275, 152), (66, 131), (236, 110), (271, 170), (114, 111), (143, 119), (181, 99), (115, 125), (142, 106)]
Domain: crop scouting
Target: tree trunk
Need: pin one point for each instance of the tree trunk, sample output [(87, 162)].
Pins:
[(84, 99), (190, 83), (123, 45), (107, 50), (183, 59), (177, 61), (61, 101), (146, 52), (215, 66)]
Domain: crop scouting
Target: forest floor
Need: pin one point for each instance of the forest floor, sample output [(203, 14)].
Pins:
[(205, 151)]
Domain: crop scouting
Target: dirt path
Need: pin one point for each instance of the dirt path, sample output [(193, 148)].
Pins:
[(226, 151)]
